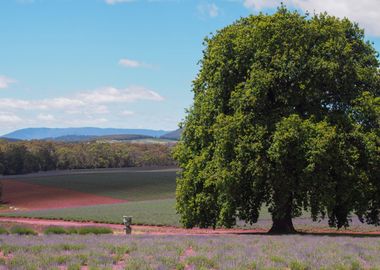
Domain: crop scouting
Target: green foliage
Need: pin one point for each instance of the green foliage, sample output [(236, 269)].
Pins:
[(22, 230), (70, 247), (156, 212), (94, 230), (35, 156), (3, 230), (286, 114), (72, 230), (201, 262), (296, 265), (137, 263), (55, 230)]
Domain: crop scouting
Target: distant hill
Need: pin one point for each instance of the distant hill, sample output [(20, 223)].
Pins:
[(71, 138), (84, 138), (8, 139), (43, 133), (173, 135)]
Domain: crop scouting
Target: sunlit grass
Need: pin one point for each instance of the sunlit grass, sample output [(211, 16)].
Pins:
[(157, 212)]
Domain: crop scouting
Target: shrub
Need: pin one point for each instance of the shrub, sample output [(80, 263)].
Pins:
[(62, 259), (3, 230), (74, 267), (296, 265), (94, 230), (55, 230), (72, 230), (22, 230), (137, 263), (70, 246), (201, 262)]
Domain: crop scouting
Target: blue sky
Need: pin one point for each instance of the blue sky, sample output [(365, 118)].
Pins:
[(118, 63)]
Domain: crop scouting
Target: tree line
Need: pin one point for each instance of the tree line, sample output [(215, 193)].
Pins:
[(34, 156)]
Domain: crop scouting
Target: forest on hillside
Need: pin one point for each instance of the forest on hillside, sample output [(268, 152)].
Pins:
[(34, 156)]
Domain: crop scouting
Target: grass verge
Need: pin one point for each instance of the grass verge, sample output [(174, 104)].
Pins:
[(3, 230), (22, 230)]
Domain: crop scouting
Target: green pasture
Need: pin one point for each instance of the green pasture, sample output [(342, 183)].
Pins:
[(152, 212), (132, 185), (158, 212), (150, 195)]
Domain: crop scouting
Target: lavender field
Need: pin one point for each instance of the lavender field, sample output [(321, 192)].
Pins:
[(189, 252)]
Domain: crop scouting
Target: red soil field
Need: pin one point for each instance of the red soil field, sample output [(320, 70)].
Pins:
[(26, 196)]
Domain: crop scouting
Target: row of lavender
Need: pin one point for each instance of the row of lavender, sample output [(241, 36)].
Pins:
[(188, 252)]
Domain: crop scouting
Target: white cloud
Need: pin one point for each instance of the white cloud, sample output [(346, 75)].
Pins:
[(114, 95), (57, 103), (85, 108), (5, 82), (14, 103), (80, 122), (113, 2), (8, 118), (44, 104), (89, 109), (127, 113), (260, 4), (365, 12), (208, 9), (129, 63), (100, 109), (46, 117), (92, 101)]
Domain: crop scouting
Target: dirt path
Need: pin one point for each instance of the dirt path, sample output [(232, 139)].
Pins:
[(40, 224), (136, 229), (26, 196)]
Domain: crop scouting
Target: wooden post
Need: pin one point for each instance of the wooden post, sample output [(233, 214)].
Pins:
[(127, 221)]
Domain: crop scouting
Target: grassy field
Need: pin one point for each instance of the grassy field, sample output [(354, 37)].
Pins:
[(157, 212), (130, 185), (162, 212), (189, 252), (151, 196)]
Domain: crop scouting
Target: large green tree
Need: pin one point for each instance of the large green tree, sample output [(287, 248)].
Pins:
[(286, 115)]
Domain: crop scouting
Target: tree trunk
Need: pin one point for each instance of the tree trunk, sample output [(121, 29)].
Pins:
[(284, 224)]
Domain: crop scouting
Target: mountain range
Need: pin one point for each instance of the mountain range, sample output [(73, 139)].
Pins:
[(173, 135), (51, 133)]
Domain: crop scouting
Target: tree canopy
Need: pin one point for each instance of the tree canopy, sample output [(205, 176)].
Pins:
[(286, 115)]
